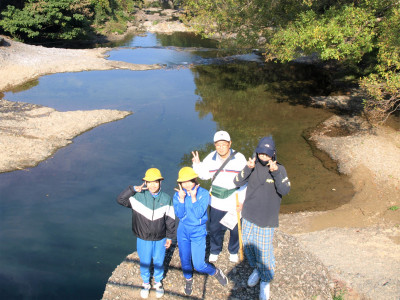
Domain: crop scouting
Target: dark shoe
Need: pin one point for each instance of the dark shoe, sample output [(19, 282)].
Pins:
[(189, 286), (220, 276)]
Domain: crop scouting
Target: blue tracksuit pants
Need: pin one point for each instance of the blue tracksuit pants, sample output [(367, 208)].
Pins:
[(148, 250), (192, 247)]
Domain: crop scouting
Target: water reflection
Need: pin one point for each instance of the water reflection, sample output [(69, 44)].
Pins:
[(176, 50), (178, 39), (249, 102), (62, 233)]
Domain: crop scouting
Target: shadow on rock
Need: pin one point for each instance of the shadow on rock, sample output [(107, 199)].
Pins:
[(299, 275)]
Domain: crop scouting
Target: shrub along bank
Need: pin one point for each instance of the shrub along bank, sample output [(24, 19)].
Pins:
[(35, 21)]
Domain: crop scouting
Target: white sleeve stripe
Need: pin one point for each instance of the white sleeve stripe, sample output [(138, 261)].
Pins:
[(141, 209), (148, 213), (171, 213)]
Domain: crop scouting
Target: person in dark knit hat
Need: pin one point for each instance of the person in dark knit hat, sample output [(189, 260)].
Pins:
[(267, 182)]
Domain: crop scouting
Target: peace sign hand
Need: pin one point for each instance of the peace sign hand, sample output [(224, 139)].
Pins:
[(193, 193), (251, 163), (272, 165), (195, 159), (181, 193), (140, 188)]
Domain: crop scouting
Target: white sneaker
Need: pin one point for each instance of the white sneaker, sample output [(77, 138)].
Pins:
[(253, 278), (144, 292), (264, 290), (233, 258), (213, 258), (159, 289)]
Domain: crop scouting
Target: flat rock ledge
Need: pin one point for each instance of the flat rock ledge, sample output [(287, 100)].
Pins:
[(351, 102), (299, 275), (159, 20), (20, 62), (31, 133)]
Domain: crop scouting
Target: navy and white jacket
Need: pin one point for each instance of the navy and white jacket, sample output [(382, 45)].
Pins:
[(152, 218), (209, 166), (264, 193)]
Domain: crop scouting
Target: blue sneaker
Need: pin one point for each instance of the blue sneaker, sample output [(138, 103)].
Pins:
[(254, 278)]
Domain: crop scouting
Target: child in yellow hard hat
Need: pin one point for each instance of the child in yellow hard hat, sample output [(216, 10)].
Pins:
[(190, 204), (153, 223)]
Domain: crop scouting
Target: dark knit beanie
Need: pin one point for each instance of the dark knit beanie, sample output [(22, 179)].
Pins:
[(267, 146)]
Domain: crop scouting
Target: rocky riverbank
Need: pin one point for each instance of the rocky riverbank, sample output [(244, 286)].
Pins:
[(32, 133), (358, 243), (20, 62), (300, 275)]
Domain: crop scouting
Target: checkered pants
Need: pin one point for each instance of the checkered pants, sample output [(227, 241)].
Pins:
[(257, 243)]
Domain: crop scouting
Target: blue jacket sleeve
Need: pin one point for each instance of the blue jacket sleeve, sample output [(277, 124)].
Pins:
[(202, 202), (178, 206), (282, 183)]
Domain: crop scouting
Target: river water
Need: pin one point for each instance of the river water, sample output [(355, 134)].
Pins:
[(62, 232)]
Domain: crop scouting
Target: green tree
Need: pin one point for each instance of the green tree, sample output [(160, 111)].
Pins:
[(39, 20), (16, 3), (350, 32), (112, 15), (52, 19)]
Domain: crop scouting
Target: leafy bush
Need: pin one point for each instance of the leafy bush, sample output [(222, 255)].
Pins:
[(348, 31), (112, 15), (52, 19), (42, 20)]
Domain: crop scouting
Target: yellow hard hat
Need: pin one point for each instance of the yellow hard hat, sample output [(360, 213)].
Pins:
[(186, 174), (153, 174)]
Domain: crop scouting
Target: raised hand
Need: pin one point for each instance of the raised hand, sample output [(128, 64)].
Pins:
[(193, 193), (139, 188), (273, 166), (251, 163), (181, 193), (195, 159)]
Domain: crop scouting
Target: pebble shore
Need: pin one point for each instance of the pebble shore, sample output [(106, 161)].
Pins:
[(299, 275)]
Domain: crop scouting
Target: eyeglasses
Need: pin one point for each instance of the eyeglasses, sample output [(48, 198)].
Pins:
[(222, 146)]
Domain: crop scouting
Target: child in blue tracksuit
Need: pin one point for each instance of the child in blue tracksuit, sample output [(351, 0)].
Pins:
[(153, 223), (190, 204)]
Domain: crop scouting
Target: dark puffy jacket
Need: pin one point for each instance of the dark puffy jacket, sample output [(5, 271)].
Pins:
[(152, 218)]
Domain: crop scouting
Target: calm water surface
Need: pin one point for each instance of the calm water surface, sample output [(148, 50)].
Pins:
[(61, 231)]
